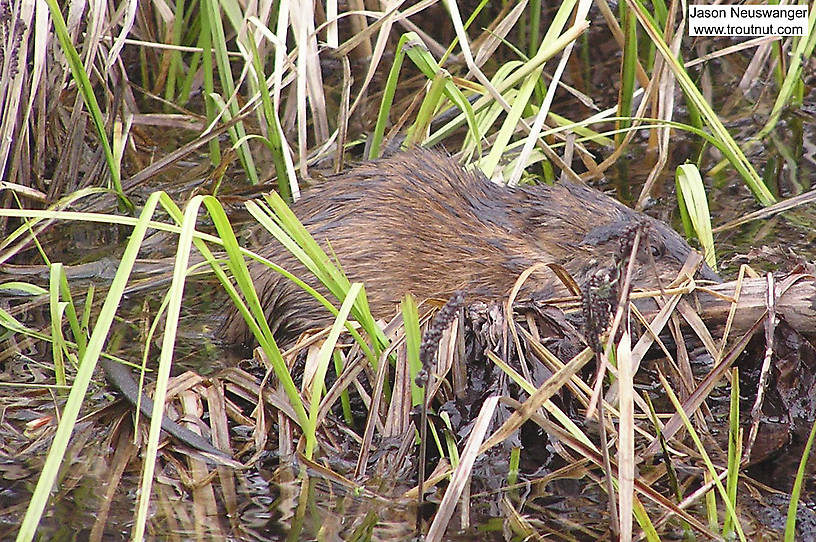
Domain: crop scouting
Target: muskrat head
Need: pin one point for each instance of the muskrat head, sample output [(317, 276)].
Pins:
[(597, 232), (660, 254)]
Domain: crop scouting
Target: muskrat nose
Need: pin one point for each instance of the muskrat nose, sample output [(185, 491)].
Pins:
[(707, 273)]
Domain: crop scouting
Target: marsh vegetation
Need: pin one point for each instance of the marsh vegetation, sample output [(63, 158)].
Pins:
[(148, 150)]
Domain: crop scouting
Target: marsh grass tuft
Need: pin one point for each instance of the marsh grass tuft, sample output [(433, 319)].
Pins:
[(103, 127)]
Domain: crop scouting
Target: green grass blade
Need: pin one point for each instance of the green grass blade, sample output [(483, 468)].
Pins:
[(323, 359), (706, 459), (237, 133), (83, 377), (345, 398), (413, 338), (208, 73), (263, 334), (274, 139), (418, 131), (56, 309), (628, 69), (297, 240), (423, 60), (730, 147), (734, 452), (174, 295), (387, 101), (85, 87), (548, 50), (804, 50), (790, 523), (693, 203)]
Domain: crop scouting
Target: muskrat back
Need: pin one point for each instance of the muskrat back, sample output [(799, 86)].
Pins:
[(419, 222)]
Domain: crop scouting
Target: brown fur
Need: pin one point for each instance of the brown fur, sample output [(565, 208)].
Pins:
[(418, 222)]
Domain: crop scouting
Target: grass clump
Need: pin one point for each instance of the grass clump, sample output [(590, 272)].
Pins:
[(110, 117)]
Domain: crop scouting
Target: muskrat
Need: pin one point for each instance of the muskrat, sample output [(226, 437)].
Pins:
[(419, 222)]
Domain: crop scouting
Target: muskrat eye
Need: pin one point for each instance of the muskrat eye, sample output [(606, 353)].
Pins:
[(657, 249)]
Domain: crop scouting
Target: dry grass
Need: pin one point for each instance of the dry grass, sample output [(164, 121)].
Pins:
[(287, 91)]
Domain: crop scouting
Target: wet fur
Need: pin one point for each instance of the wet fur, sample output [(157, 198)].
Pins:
[(418, 222)]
